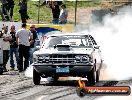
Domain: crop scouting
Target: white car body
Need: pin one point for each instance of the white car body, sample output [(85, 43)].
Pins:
[(68, 55)]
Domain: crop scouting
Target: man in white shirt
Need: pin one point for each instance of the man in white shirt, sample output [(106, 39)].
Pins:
[(63, 15), (6, 46), (24, 38)]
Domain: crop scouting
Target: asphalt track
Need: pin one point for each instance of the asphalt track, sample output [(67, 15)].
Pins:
[(16, 86)]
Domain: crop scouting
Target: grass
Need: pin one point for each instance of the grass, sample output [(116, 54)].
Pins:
[(45, 12)]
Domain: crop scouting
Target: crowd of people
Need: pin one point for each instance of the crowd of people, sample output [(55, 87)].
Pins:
[(59, 11), (21, 43)]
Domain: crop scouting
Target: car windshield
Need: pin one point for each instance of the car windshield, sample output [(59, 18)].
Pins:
[(75, 41)]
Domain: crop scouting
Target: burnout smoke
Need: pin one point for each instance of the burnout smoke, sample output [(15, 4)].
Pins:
[(29, 71), (115, 38)]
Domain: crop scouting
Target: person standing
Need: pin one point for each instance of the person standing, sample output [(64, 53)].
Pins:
[(6, 46), (23, 11), (13, 48), (4, 10), (24, 38), (10, 4), (63, 15), (32, 46), (54, 5)]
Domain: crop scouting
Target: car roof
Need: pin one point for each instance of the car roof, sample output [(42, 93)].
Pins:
[(63, 34)]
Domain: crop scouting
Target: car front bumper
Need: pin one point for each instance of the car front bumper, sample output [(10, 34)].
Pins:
[(74, 69)]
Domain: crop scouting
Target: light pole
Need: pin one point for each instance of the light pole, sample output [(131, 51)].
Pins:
[(38, 11), (75, 12)]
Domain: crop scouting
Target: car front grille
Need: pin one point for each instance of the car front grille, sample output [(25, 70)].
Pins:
[(59, 58)]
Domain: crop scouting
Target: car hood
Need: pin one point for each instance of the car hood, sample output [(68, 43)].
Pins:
[(71, 51)]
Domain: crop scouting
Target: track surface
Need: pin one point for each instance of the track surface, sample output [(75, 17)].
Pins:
[(16, 86)]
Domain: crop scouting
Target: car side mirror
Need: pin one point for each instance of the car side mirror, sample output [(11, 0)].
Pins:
[(96, 47)]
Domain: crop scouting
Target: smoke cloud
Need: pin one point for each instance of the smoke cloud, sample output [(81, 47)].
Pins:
[(114, 35)]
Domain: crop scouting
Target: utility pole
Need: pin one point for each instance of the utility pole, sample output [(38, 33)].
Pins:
[(38, 11), (113, 5), (75, 12)]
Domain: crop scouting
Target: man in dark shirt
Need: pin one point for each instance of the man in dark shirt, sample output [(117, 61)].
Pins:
[(10, 7), (13, 48), (32, 46), (7, 9), (54, 5), (23, 10)]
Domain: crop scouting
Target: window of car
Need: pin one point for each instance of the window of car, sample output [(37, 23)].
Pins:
[(75, 41)]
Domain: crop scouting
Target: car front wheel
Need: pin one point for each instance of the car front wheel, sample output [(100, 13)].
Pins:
[(91, 76), (97, 75), (36, 77), (1, 70)]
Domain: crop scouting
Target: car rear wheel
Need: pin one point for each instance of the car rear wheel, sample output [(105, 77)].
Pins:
[(1, 70), (91, 76), (36, 77)]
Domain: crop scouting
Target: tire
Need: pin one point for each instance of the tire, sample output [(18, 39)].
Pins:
[(97, 75), (36, 77), (91, 77), (1, 70)]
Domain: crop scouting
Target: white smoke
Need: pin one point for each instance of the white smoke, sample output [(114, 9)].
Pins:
[(29, 71), (115, 38)]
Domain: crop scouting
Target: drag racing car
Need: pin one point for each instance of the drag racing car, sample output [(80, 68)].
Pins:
[(67, 55)]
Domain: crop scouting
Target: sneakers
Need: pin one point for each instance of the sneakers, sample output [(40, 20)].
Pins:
[(4, 69)]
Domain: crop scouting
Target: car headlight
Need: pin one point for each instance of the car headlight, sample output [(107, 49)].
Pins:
[(78, 58), (82, 58), (47, 58), (85, 58), (41, 58)]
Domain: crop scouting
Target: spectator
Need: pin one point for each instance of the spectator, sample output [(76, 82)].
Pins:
[(23, 36), (6, 46), (54, 5), (32, 46), (10, 7), (4, 9), (23, 11), (13, 48), (7, 9), (63, 15)]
